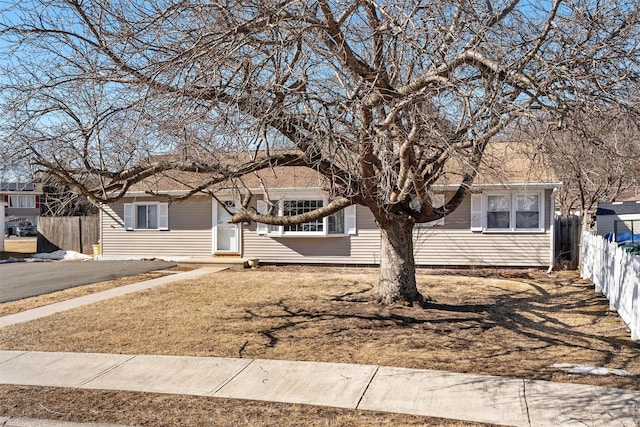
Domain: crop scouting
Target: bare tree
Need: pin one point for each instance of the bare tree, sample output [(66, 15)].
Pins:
[(596, 155), (59, 199), (378, 97)]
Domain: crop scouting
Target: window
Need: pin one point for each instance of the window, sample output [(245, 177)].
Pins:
[(507, 212), (146, 216), (22, 201), (299, 207), (336, 224), (527, 211), (498, 212)]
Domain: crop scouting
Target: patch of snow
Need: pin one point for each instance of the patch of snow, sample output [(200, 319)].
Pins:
[(63, 255), (59, 255), (572, 368)]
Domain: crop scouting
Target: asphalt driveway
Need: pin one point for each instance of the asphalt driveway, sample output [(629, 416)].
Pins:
[(27, 279)]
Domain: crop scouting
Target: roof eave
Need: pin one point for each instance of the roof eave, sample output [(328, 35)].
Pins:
[(439, 187)]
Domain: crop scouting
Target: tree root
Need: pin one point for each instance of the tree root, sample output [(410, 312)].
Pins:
[(399, 300)]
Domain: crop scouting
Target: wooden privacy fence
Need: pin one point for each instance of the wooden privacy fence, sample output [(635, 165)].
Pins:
[(72, 233), (616, 273), (567, 241)]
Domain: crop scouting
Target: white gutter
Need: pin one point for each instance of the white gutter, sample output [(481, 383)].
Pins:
[(444, 187), (160, 192), (552, 231), (504, 186), (139, 193), (100, 228)]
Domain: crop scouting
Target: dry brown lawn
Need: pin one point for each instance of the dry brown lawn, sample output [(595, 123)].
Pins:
[(18, 248), (160, 410), (513, 323)]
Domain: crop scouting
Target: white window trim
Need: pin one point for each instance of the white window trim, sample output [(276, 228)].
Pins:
[(278, 230), (479, 205), (130, 212)]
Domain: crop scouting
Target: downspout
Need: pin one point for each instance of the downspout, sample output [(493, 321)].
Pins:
[(552, 231), (100, 228)]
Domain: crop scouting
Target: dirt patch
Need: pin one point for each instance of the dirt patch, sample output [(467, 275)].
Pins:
[(513, 323)]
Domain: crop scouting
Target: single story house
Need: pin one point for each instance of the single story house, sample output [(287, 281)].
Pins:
[(619, 221), (507, 219)]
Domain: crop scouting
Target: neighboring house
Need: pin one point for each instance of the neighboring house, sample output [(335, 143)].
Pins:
[(619, 221), (22, 201), (506, 220)]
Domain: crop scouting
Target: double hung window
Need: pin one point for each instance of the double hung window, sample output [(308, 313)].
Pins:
[(146, 216), (499, 212), (527, 211)]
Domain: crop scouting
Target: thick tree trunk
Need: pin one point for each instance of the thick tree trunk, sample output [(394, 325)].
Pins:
[(397, 266)]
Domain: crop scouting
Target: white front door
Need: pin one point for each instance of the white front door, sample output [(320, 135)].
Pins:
[(226, 236)]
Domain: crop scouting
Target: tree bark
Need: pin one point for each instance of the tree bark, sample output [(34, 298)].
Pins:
[(397, 266)]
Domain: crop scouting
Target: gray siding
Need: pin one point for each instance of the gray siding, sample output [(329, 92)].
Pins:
[(605, 223), (189, 231), (23, 212)]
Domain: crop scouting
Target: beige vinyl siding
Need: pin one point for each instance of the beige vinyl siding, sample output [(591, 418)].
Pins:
[(361, 248), (461, 248), (455, 244), (452, 244), (189, 231)]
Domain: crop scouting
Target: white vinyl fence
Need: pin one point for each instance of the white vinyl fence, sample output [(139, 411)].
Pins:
[(616, 274)]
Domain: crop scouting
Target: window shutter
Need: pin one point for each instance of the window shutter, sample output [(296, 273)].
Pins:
[(350, 219), (261, 228), (476, 212), (128, 216), (163, 216), (37, 202)]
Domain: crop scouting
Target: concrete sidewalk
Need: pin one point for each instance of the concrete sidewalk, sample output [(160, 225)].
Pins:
[(514, 402)]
